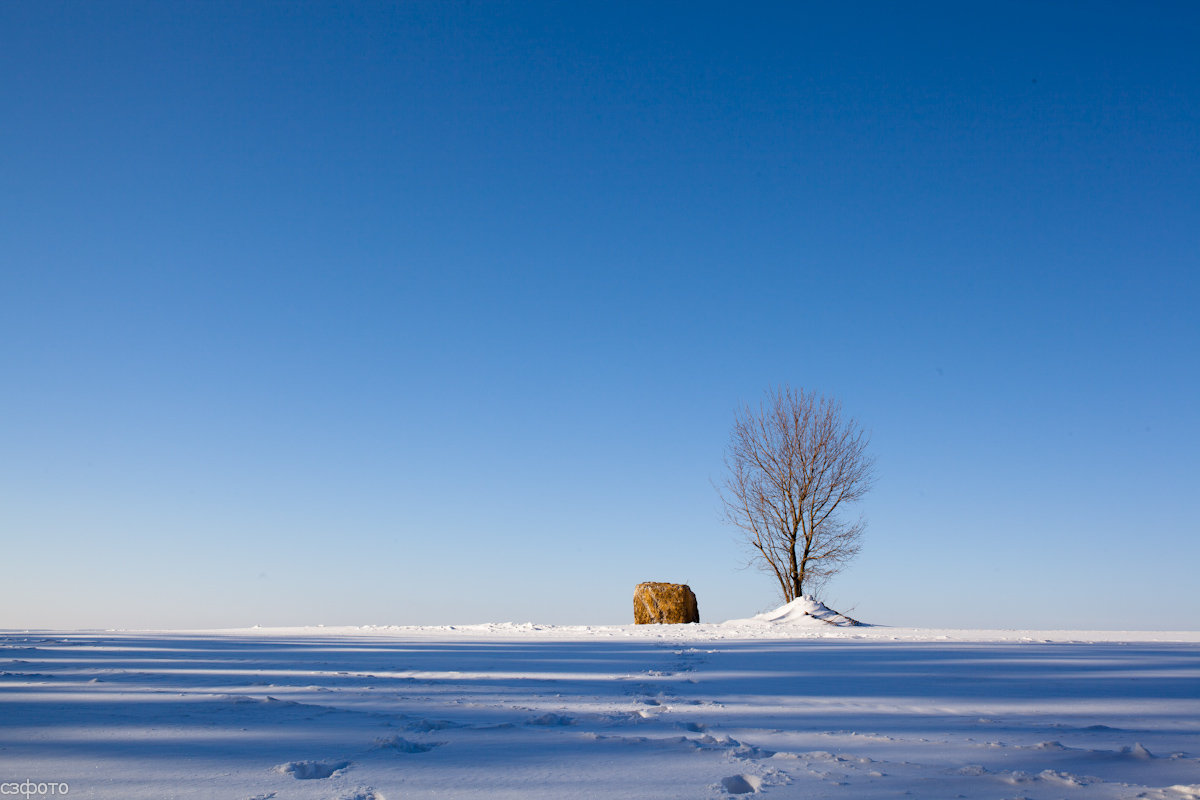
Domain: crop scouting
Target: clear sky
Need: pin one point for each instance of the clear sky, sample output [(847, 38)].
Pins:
[(440, 312)]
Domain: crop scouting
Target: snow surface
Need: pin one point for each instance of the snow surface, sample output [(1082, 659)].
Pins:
[(787, 706)]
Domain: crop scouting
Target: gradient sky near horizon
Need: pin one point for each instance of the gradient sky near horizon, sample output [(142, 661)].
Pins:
[(440, 312)]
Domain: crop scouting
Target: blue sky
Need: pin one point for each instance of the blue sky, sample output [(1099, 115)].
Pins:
[(440, 312)]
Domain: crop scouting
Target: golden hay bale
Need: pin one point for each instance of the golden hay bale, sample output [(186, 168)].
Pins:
[(664, 602)]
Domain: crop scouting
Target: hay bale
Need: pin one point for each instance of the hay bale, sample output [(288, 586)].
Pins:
[(671, 603)]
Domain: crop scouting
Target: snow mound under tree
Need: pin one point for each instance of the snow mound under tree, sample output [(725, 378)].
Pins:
[(806, 610)]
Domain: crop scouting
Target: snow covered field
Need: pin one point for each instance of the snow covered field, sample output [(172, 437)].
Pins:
[(794, 710)]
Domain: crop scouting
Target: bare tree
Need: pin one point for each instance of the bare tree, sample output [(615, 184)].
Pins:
[(794, 464)]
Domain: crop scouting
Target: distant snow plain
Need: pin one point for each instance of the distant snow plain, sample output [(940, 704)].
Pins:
[(783, 705)]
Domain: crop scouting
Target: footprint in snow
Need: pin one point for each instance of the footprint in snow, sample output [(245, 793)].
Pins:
[(402, 745), (427, 725), (363, 793), (741, 784), (550, 720), (1018, 777), (312, 770), (732, 746), (972, 770), (1054, 746)]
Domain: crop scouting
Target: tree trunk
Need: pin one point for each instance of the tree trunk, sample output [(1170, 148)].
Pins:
[(793, 576), (803, 567)]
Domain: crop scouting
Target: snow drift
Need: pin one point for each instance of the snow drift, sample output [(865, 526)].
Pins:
[(806, 610)]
